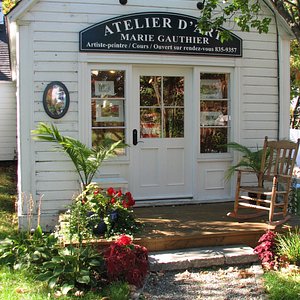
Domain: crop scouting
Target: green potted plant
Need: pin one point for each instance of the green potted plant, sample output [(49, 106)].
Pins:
[(250, 159)]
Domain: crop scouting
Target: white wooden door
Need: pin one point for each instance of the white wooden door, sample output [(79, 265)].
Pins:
[(161, 149)]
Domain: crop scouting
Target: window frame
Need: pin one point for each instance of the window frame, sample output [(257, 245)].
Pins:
[(231, 110), (88, 113)]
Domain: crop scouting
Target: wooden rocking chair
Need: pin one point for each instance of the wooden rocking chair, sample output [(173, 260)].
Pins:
[(271, 194)]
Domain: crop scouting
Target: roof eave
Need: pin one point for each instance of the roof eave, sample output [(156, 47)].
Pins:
[(19, 10)]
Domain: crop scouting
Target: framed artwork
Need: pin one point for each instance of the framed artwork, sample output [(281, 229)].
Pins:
[(211, 89), (104, 88), (109, 110)]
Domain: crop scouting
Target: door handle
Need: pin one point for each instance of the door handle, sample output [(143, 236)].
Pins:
[(135, 137)]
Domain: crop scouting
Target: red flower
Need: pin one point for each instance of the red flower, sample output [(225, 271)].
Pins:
[(119, 193), (110, 191), (124, 240), (113, 201), (96, 192), (128, 201)]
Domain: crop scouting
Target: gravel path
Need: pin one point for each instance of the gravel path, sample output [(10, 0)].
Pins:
[(243, 282)]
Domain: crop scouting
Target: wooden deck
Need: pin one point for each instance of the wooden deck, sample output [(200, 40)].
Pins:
[(188, 226)]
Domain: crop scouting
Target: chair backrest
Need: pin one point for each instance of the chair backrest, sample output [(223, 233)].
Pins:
[(279, 159)]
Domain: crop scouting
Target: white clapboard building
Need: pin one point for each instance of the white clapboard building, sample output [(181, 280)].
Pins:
[(8, 103), (139, 70)]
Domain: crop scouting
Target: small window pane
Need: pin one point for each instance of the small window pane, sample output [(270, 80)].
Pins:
[(115, 134), (150, 90), (213, 86), (174, 123), (214, 113), (150, 122), (108, 113), (173, 91), (212, 139), (107, 84)]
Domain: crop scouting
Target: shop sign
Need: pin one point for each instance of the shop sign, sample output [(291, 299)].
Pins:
[(157, 32)]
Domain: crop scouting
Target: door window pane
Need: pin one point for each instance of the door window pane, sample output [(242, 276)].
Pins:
[(214, 112), (150, 90), (150, 122), (173, 91), (174, 119), (161, 107)]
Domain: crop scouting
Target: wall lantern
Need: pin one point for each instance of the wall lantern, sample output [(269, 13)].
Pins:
[(123, 2), (200, 4), (56, 99)]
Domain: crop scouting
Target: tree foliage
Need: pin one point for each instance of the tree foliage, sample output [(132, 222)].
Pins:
[(247, 15), (7, 5), (295, 84)]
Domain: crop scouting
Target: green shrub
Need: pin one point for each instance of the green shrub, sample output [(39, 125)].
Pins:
[(73, 269), (24, 250), (288, 246)]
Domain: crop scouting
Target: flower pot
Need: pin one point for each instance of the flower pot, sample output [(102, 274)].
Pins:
[(100, 227)]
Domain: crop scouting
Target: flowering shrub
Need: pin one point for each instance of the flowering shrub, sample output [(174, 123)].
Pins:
[(102, 202), (126, 261), (103, 212), (266, 250)]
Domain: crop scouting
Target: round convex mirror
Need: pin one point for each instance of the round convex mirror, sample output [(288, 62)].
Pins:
[(56, 99)]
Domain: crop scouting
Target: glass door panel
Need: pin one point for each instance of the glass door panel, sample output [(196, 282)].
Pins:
[(161, 107)]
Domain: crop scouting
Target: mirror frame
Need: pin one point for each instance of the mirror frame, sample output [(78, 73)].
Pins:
[(46, 108)]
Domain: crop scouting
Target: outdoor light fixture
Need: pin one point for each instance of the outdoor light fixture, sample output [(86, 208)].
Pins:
[(200, 4), (123, 2)]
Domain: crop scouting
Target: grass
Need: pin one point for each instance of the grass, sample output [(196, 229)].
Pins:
[(282, 286), (8, 191)]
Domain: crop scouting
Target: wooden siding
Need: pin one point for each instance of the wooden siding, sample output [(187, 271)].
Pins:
[(8, 121), (53, 28)]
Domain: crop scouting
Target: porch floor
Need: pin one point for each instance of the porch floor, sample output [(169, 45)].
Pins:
[(198, 225)]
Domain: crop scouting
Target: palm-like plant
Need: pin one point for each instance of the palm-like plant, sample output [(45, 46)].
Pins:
[(250, 159), (86, 160)]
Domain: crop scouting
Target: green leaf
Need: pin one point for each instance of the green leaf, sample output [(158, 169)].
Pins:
[(66, 288), (83, 279), (38, 233), (95, 262), (44, 276), (52, 282), (49, 265), (84, 272), (58, 270)]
